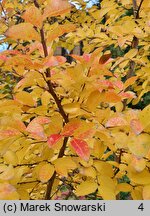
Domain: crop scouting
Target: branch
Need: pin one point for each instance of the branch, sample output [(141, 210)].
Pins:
[(58, 102), (134, 45), (48, 74), (51, 181), (138, 10)]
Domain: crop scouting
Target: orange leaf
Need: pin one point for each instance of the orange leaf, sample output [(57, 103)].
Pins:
[(111, 97), (3, 58), (78, 58), (53, 139), (60, 30), (8, 133), (130, 81), (118, 84), (54, 61), (127, 94), (24, 31), (136, 126), (87, 134), (70, 127), (81, 148), (33, 16), (36, 131), (45, 172), (56, 8), (41, 120), (19, 125), (116, 121)]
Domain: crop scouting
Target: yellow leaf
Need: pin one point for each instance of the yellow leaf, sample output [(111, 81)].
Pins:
[(88, 171), (144, 116), (72, 108), (117, 30), (146, 192), (130, 81), (139, 145), (107, 187), (121, 41), (8, 192), (98, 149), (60, 30), (119, 106), (131, 53), (8, 173), (138, 164), (146, 4), (18, 173), (123, 187), (24, 31), (121, 139), (45, 173), (64, 165), (56, 8), (103, 168), (45, 98), (24, 195), (84, 163), (10, 157), (33, 16), (25, 98), (136, 193), (140, 178), (93, 100), (104, 11), (86, 188)]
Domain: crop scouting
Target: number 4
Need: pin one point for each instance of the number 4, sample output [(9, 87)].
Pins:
[(141, 207)]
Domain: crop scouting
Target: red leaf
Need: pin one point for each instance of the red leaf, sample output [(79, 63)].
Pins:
[(81, 148), (53, 139), (104, 59), (69, 128)]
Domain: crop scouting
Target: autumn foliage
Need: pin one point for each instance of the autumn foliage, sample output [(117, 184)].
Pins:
[(68, 130)]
